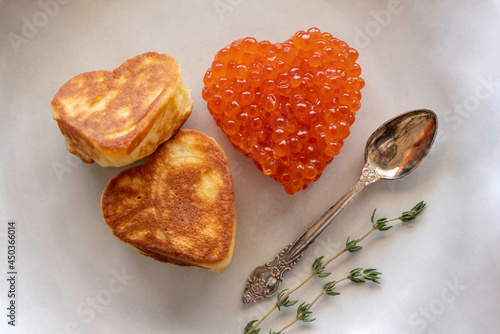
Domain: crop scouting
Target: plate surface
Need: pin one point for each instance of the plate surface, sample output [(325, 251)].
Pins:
[(440, 273)]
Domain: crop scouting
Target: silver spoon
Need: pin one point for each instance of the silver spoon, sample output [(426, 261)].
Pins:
[(393, 151)]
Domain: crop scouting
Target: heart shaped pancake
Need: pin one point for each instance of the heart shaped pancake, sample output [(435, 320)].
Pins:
[(178, 206), (287, 105), (118, 117)]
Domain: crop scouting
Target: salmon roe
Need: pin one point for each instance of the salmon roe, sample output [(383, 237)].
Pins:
[(287, 105)]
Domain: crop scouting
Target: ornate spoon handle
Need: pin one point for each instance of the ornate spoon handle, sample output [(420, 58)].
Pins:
[(264, 280)]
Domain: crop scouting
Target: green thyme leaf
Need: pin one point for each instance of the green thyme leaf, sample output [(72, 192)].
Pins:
[(328, 289), (356, 280), (323, 274), (284, 302), (303, 313), (317, 264), (359, 275), (381, 224), (413, 213), (355, 272), (351, 246), (371, 275), (249, 326)]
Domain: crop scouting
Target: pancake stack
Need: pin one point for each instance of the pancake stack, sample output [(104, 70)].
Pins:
[(177, 207)]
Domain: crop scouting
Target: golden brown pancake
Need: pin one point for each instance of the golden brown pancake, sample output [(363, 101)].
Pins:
[(117, 117), (178, 206)]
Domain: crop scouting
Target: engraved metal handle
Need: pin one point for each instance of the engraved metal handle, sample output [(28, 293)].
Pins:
[(264, 280)]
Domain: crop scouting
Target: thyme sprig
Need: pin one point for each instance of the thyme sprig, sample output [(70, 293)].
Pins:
[(357, 275)]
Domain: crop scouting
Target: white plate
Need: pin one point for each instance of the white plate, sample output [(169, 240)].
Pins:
[(440, 273)]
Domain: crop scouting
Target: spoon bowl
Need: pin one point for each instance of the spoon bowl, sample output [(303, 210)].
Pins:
[(399, 145), (393, 151)]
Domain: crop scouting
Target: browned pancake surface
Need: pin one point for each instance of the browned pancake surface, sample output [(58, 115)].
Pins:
[(178, 206), (112, 112)]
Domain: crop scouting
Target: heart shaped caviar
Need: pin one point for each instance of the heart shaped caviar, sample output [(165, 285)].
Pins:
[(287, 105)]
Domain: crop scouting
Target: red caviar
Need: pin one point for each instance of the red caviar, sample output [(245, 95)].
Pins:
[(287, 105)]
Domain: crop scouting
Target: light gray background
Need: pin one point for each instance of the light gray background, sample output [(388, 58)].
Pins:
[(441, 273)]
